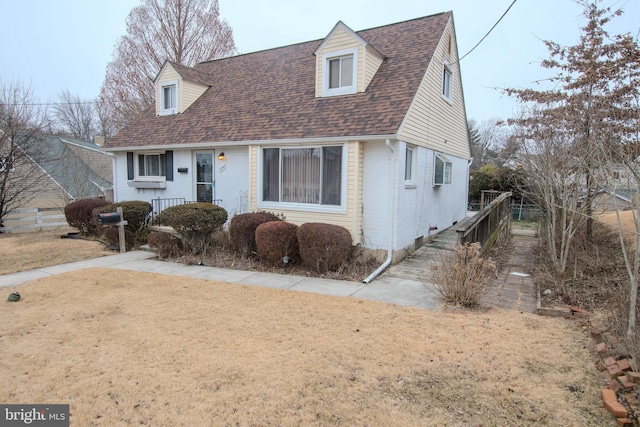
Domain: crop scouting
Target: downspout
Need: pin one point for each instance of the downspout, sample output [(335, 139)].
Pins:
[(392, 193), (469, 163)]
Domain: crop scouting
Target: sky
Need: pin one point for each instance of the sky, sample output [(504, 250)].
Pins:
[(66, 44)]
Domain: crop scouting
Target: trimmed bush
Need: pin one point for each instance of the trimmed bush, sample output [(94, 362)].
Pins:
[(79, 215), (137, 214), (196, 223), (277, 239), (242, 230), (166, 245), (324, 247)]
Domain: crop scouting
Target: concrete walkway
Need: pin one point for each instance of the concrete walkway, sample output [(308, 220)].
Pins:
[(402, 284)]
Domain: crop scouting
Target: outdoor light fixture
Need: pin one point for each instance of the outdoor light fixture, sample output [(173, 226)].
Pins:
[(221, 156)]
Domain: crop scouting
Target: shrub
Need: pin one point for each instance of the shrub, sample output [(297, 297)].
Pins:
[(463, 276), (196, 223), (277, 239), (242, 230), (324, 247), (166, 245), (78, 215), (137, 214)]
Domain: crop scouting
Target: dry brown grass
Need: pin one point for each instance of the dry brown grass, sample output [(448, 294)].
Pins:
[(126, 348), (26, 251)]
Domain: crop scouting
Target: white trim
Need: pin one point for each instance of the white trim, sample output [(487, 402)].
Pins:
[(343, 26), (224, 144), (343, 90), (161, 110)]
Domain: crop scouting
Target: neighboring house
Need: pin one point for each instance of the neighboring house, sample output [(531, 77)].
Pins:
[(70, 169), (619, 198), (365, 129)]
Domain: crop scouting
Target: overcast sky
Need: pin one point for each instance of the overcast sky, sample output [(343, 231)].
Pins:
[(66, 44)]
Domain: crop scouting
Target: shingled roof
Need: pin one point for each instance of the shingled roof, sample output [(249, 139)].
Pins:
[(270, 95)]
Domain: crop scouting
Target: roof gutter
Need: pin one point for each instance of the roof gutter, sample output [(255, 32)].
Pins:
[(290, 141), (393, 160)]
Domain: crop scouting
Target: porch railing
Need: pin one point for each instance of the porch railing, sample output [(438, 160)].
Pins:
[(158, 205), (487, 225)]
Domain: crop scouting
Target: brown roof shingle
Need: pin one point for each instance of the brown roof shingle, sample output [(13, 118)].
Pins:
[(270, 95)]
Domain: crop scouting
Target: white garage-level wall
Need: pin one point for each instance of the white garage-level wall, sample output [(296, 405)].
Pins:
[(417, 205)]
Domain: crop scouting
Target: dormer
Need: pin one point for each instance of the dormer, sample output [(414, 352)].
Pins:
[(177, 87), (345, 63)]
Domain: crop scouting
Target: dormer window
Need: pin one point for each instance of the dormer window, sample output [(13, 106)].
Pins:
[(169, 98), (340, 72)]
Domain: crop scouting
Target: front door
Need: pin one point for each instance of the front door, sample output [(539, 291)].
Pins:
[(204, 176)]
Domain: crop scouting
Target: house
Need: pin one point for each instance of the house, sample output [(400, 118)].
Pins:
[(364, 129), (68, 170), (74, 169)]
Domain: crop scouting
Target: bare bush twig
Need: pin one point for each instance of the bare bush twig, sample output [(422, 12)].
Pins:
[(462, 277)]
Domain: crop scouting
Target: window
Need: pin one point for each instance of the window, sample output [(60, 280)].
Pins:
[(447, 82), (149, 165), (158, 166), (339, 70), (302, 175), (442, 170), (408, 164), (169, 98), (7, 163)]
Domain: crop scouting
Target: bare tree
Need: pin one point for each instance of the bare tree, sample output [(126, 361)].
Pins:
[(553, 175), (581, 100), (183, 31), (595, 110), (22, 123), (75, 117), (622, 149)]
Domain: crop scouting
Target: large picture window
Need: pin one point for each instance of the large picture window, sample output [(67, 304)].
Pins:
[(302, 175)]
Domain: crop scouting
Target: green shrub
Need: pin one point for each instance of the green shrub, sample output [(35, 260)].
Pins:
[(277, 239), (196, 223), (242, 230), (324, 247), (462, 277), (78, 215), (166, 245), (137, 214)]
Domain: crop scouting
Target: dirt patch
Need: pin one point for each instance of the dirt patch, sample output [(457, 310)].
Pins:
[(128, 348), (26, 251), (627, 222)]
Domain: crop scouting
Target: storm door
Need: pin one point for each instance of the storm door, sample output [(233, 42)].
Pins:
[(204, 176)]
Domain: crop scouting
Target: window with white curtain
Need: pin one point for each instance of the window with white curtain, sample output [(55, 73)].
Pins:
[(311, 175)]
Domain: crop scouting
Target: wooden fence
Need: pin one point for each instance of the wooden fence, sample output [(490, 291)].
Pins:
[(36, 219)]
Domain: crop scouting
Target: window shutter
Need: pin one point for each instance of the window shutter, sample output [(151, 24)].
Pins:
[(130, 174), (168, 165)]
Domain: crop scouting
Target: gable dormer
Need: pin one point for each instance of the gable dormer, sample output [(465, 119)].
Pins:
[(177, 87), (345, 63)]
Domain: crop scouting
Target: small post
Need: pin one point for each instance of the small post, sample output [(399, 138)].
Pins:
[(121, 224)]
